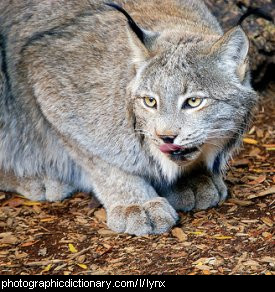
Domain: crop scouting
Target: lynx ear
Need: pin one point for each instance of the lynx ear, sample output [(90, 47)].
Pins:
[(232, 50), (141, 41)]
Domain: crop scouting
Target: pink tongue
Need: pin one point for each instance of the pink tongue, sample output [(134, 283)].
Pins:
[(168, 148)]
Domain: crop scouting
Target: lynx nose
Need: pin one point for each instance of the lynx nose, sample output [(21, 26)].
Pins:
[(168, 139)]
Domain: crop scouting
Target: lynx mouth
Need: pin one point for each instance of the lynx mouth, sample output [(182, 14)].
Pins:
[(183, 153), (177, 152)]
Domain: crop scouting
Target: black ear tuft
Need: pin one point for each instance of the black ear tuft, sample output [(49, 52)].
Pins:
[(135, 28), (257, 12)]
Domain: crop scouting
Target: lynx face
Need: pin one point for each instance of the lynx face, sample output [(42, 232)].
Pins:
[(186, 101)]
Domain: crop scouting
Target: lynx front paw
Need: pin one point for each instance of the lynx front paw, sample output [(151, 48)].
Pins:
[(152, 217), (198, 193)]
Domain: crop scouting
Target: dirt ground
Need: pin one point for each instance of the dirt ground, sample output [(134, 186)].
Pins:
[(236, 238)]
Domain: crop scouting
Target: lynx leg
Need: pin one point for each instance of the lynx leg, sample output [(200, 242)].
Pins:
[(132, 204)]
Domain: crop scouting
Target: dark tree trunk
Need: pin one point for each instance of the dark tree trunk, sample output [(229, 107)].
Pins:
[(261, 33)]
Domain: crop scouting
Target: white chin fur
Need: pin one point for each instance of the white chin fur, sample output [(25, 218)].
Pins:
[(170, 170)]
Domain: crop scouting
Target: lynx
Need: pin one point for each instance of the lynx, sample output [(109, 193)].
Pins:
[(141, 103)]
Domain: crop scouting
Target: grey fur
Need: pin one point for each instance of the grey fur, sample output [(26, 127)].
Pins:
[(71, 113)]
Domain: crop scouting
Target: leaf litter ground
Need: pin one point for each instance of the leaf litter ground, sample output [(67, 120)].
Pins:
[(71, 237)]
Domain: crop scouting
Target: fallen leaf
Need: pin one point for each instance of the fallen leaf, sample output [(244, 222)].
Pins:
[(42, 251), (203, 267), (205, 261), (264, 193), (250, 141), (196, 232), (100, 214), (8, 238), (14, 202), (257, 170), (240, 162), (267, 221), (255, 151), (82, 266), (177, 255), (72, 248), (269, 145), (240, 202), (47, 268), (222, 237), (81, 259), (267, 235), (29, 243), (250, 263), (31, 203), (260, 133), (267, 259), (258, 180), (20, 201), (49, 219), (105, 232), (179, 234)]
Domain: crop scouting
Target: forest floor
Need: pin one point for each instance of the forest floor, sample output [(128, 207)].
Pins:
[(72, 238)]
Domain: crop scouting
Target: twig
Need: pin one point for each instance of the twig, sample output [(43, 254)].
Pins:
[(75, 255), (43, 263)]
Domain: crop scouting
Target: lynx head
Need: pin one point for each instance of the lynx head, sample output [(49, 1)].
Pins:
[(191, 91)]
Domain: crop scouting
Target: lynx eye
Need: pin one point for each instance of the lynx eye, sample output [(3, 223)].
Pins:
[(193, 102), (150, 102)]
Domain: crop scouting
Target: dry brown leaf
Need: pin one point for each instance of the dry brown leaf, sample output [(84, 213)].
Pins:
[(14, 202), (42, 251), (267, 259), (240, 162), (258, 180), (254, 152), (260, 133), (105, 232), (100, 215), (181, 254), (267, 235), (49, 219), (250, 263), (269, 145), (179, 234), (264, 193), (8, 238), (267, 221), (240, 202), (29, 243), (203, 267), (19, 256), (81, 259)]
